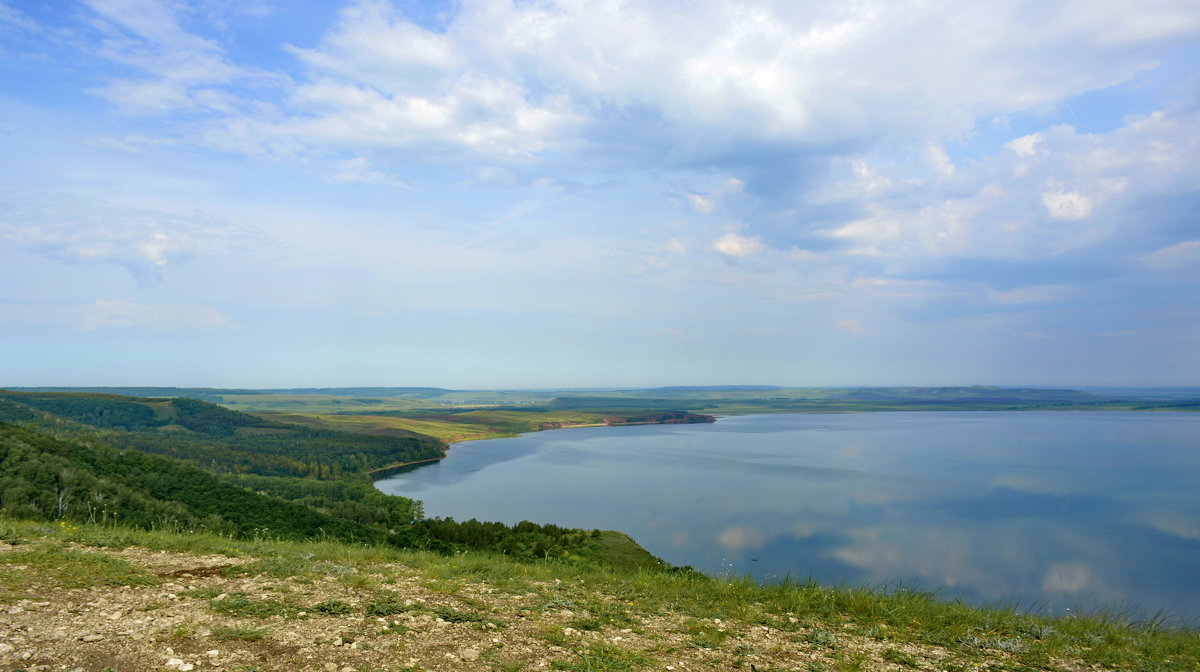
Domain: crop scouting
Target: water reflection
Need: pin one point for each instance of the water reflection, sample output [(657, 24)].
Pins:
[(1049, 510)]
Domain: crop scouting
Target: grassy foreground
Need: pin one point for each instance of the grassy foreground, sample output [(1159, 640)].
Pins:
[(96, 598)]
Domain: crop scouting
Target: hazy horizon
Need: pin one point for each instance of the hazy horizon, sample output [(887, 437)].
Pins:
[(601, 388), (514, 195)]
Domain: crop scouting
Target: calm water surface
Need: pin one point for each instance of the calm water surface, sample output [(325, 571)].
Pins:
[(1048, 510)]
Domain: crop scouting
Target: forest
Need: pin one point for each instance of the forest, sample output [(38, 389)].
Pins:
[(185, 464)]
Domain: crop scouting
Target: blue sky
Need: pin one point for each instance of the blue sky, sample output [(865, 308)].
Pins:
[(554, 193)]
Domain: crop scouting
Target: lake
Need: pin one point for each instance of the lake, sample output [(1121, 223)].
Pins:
[(1046, 510)]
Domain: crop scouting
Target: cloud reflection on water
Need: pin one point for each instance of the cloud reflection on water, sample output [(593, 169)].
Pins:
[(988, 507)]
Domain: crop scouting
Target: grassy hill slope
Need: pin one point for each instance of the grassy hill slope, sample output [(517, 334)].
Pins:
[(188, 464), (98, 597)]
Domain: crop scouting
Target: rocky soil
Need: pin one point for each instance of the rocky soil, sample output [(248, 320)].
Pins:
[(197, 613)]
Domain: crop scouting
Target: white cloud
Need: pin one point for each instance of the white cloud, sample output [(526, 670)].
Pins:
[(1067, 204), (701, 204), (939, 160), (178, 68), (1025, 145), (153, 316), (81, 230), (11, 15), (1185, 253), (520, 80), (360, 171), (737, 246), (707, 202)]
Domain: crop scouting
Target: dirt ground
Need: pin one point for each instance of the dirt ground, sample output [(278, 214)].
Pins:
[(200, 617)]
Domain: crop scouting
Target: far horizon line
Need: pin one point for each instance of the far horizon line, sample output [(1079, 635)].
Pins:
[(577, 388)]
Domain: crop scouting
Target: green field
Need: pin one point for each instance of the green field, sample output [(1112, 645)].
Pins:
[(465, 426)]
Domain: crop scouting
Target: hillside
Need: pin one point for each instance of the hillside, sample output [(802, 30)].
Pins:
[(103, 598), (183, 464)]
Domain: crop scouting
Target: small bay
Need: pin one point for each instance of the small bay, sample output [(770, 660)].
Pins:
[(1047, 510)]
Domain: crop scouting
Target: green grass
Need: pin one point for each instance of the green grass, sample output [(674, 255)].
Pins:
[(48, 565), (704, 636), (240, 606), (239, 632), (605, 658), (900, 658), (333, 608)]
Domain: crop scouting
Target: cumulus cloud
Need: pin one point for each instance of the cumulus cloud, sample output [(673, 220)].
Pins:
[(1067, 204), (737, 246), (834, 144), (939, 160), (519, 80), (1026, 145)]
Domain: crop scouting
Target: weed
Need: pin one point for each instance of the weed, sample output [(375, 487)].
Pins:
[(242, 606), (590, 624), (554, 636), (451, 615), (239, 632), (333, 608), (388, 606), (605, 658), (395, 628), (182, 630), (357, 580), (68, 568), (557, 603), (201, 593), (444, 587), (850, 662), (877, 632), (703, 635), (820, 637), (900, 658)]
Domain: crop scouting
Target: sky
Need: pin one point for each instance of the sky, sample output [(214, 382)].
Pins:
[(599, 193)]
